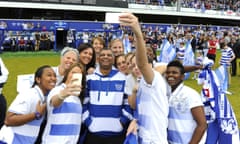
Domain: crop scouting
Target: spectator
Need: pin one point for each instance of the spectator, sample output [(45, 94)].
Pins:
[(21, 44), (13, 43), (190, 38), (3, 79), (29, 45), (212, 47), (24, 115), (227, 56), (37, 41), (106, 111), (200, 44), (233, 45), (181, 52)]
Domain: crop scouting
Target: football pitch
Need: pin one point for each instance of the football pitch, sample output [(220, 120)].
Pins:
[(19, 63)]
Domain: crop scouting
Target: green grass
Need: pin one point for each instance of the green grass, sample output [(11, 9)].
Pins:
[(27, 62), (24, 63)]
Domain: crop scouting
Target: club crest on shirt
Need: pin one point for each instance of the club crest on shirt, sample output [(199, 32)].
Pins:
[(180, 104), (118, 87)]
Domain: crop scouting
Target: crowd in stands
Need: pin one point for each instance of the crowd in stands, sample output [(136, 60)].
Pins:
[(220, 5), (125, 89), (28, 42)]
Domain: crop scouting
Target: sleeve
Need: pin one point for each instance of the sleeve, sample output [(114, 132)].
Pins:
[(127, 112), (86, 102), (128, 86), (195, 100), (4, 71), (53, 92), (21, 104)]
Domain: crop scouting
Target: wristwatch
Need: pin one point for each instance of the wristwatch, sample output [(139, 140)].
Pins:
[(38, 116)]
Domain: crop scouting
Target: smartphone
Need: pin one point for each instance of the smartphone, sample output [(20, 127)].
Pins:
[(112, 17), (77, 78)]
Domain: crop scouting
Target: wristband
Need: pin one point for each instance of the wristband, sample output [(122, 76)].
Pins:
[(38, 116), (60, 97)]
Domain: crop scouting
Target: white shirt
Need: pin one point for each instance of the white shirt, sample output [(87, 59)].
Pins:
[(24, 103), (4, 70), (152, 108), (181, 123)]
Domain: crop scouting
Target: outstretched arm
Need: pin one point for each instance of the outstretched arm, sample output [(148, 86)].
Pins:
[(130, 20)]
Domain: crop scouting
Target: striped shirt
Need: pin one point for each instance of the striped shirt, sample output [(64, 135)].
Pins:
[(180, 53), (227, 54), (105, 105), (63, 122)]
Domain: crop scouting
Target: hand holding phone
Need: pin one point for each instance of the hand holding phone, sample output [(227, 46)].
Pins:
[(112, 17), (77, 79)]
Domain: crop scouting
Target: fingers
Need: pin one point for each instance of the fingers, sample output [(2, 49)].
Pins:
[(71, 90), (41, 107), (132, 128), (128, 19)]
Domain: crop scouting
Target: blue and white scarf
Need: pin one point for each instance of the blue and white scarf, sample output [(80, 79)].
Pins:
[(222, 123), (188, 57), (168, 52)]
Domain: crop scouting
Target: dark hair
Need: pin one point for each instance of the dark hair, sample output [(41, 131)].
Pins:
[(149, 59), (81, 96), (39, 73), (117, 57), (222, 45), (92, 63), (133, 55), (178, 64), (106, 49)]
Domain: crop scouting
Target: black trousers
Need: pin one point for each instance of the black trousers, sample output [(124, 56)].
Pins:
[(96, 139), (3, 109), (234, 67), (212, 56)]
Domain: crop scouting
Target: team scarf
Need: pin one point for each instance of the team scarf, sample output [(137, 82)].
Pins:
[(127, 44), (130, 139), (222, 74), (168, 52), (222, 123), (188, 57)]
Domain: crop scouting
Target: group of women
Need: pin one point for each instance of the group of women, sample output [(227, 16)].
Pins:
[(55, 98)]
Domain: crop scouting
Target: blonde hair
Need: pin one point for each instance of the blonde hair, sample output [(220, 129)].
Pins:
[(113, 41), (68, 49), (100, 39)]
